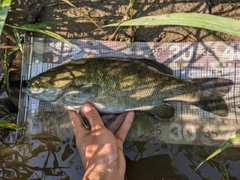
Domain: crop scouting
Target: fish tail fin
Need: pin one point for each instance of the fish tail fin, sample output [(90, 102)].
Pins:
[(212, 91)]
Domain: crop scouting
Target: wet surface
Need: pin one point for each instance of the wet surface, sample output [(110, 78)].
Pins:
[(47, 150)]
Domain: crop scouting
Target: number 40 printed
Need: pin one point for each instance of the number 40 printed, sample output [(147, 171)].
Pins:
[(232, 52)]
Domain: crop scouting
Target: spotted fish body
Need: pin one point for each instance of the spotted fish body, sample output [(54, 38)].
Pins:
[(115, 86)]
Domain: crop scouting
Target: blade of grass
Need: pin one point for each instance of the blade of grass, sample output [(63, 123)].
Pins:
[(56, 36), (2, 46), (12, 50), (6, 73), (205, 21), (225, 172), (68, 2), (4, 7), (9, 36), (225, 145), (43, 25), (131, 8), (18, 39), (46, 32), (8, 125)]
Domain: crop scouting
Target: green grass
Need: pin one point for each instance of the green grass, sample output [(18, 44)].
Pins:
[(4, 7), (225, 145), (8, 125), (204, 21)]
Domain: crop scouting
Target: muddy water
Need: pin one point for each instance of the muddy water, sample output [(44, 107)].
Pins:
[(47, 150)]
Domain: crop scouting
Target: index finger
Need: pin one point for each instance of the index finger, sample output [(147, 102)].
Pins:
[(126, 125)]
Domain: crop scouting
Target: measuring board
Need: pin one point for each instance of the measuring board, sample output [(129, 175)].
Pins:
[(190, 124)]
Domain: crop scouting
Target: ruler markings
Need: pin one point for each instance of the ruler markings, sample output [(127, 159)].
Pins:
[(190, 124)]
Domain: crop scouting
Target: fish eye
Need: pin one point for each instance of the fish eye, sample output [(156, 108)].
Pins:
[(35, 86)]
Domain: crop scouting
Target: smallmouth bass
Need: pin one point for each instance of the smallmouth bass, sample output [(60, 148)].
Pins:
[(116, 86)]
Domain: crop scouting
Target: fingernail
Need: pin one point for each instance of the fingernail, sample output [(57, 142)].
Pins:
[(87, 108)]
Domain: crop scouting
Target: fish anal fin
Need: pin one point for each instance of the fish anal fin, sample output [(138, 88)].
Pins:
[(163, 110)]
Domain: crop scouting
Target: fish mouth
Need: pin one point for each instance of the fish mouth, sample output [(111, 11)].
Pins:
[(32, 91), (38, 94), (28, 89), (25, 84)]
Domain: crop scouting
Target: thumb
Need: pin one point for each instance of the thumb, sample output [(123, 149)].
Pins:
[(92, 115)]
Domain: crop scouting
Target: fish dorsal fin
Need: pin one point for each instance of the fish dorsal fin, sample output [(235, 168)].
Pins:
[(162, 68), (163, 110), (154, 65)]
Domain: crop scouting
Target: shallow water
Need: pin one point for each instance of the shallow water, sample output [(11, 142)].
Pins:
[(153, 150), (47, 150)]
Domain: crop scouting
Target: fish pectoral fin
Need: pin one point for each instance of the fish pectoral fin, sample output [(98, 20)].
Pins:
[(82, 94), (163, 110), (89, 90)]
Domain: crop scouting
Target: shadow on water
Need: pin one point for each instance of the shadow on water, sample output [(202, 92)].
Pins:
[(179, 162), (151, 156), (153, 150), (48, 151)]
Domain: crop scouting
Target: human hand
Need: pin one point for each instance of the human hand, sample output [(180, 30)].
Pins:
[(101, 149)]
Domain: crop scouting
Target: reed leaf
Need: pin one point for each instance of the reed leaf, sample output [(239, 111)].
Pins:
[(8, 125), (46, 32), (4, 7), (225, 145), (205, 21)]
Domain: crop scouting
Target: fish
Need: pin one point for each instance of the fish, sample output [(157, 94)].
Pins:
[(119, 85)]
